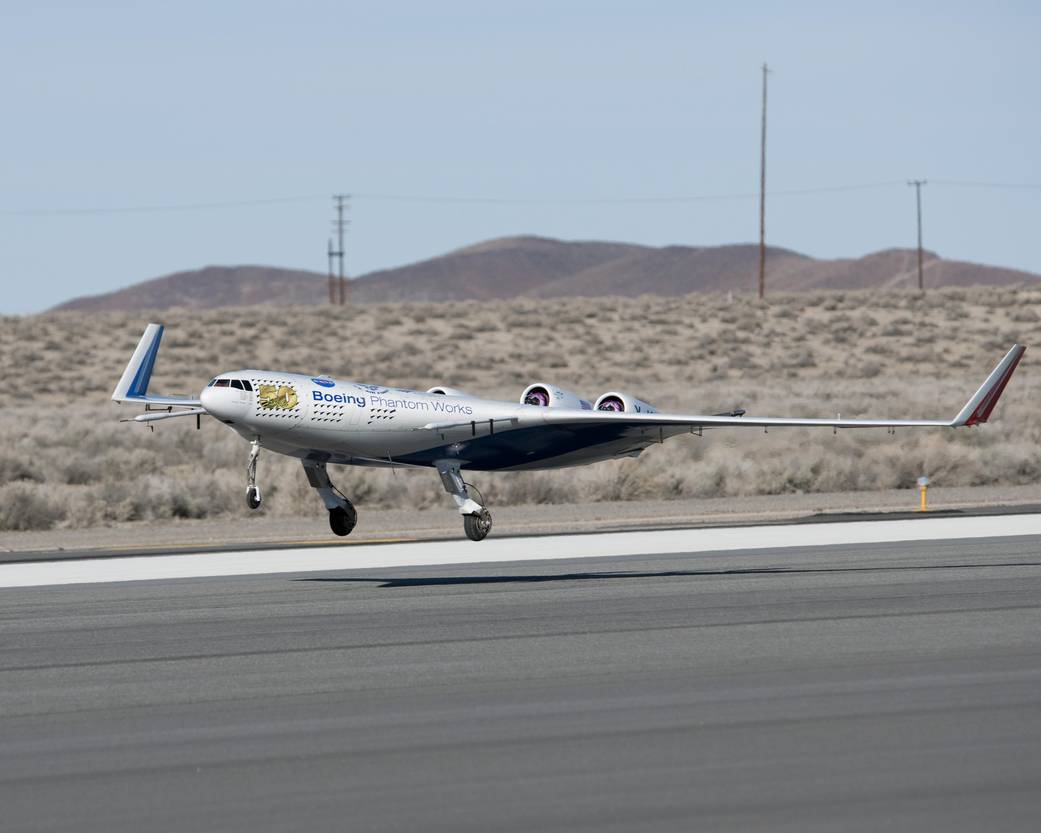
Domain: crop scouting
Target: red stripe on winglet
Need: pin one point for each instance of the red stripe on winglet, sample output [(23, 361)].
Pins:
[(982, 412)]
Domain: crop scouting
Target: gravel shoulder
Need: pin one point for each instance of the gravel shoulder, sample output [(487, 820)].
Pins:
[(385, 524)]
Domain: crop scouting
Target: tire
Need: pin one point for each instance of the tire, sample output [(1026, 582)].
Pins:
[(253, 498), (478, 526), (342, 520)]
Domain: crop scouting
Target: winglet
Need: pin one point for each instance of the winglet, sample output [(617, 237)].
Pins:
[(977, 410), (134, 382)]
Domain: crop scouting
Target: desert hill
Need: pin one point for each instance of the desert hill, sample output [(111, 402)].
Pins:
[(214, 286), (543, 267)]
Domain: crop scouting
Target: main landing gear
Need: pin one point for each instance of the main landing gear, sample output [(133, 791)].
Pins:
[(477, 520), (342, 515), (253, 496)]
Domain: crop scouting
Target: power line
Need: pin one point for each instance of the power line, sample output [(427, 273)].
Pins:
[(1011, 186), (741, 195), (484, 200), (147, 209), (445, 199)]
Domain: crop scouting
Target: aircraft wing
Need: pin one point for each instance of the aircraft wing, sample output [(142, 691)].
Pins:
[(976, 411)]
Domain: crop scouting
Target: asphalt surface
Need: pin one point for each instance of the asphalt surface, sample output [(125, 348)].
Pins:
[(884, 686)]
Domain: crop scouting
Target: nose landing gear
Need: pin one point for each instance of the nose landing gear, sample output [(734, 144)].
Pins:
[(477, 520), (478, 526), (342, 515), (253, 496)]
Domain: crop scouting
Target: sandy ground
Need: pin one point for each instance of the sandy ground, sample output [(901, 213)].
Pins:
[(376, 524)]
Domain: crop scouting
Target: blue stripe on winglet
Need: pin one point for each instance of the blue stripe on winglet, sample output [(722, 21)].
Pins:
[(139, 386)]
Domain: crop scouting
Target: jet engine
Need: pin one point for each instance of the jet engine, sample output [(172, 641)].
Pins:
[(623, 403), (443, 391), (550, 396)]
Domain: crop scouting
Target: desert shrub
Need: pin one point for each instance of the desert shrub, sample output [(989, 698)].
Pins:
[(26, 506), (77, 470), (16, 468)]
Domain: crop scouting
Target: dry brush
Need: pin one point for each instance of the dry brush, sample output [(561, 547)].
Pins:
[(65, 459)]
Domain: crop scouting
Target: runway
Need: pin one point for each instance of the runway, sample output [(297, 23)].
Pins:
[(42, 568), (856, 686)]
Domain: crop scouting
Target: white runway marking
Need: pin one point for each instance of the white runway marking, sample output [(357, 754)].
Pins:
[(425, 553)]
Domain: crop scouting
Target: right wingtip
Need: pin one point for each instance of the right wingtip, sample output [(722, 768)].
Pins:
[(979, 408)]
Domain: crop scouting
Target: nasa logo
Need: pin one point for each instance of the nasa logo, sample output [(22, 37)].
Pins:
[(324, 381)]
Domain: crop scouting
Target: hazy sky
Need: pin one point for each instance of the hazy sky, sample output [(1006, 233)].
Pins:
[(113, 105)]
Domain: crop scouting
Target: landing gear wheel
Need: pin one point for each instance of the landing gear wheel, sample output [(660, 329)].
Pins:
[(343, 520), (253, 497), (478, 526)]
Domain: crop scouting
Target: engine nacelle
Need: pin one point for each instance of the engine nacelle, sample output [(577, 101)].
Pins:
[(623, 403), (441, 390), (550, 396)]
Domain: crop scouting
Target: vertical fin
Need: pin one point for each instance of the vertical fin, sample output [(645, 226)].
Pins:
[(133, 383)]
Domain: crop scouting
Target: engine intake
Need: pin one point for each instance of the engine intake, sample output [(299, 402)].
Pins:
[(550, 396), (443, 391), (623, 403)]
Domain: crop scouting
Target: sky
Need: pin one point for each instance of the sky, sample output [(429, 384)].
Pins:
[(556, 112)]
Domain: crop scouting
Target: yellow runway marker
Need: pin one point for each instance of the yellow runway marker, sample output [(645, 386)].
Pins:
[(923, 486)]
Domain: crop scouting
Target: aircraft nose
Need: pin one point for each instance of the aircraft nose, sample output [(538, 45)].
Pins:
[(215, 403)]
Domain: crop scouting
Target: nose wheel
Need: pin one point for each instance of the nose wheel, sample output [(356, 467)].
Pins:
[(253, 497), (478, 525)]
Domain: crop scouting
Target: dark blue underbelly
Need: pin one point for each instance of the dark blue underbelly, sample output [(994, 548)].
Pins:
[(535, 447)]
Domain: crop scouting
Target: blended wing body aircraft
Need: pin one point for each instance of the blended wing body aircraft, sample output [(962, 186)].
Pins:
[(322, 420)]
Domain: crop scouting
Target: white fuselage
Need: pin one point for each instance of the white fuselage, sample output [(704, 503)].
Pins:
[(351, 423)]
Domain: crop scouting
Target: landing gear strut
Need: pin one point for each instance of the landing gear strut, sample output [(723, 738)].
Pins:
[(477, 520), (342, 515), (253, 496)]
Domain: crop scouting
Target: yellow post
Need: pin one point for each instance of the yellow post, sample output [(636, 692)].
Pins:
[(923, 485)]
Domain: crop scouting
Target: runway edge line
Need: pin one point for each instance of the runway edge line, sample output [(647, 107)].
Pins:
[(496, 550)]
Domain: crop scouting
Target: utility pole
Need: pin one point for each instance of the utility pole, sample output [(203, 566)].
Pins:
[(762, 194), (918, 183), (339, 224), (332, 280)]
